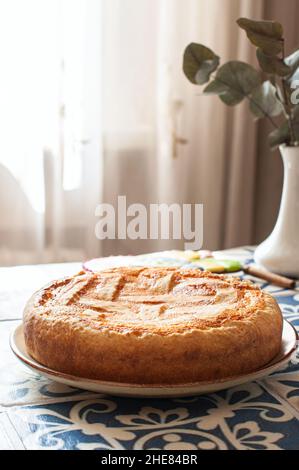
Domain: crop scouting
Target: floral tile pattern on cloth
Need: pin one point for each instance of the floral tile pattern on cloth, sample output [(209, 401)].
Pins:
[(21, 386), (245, 417)]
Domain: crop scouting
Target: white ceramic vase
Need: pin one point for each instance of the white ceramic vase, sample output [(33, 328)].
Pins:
[(279, 253)]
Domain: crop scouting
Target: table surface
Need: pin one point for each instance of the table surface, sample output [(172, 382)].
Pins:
[(36, 413)]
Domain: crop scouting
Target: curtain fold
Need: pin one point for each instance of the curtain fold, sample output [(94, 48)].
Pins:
[(217, 164)]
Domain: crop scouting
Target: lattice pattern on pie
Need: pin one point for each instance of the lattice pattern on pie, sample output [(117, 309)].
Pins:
[(153, 296), (152, 325)]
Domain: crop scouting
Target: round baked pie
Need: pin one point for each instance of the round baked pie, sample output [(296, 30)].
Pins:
[(152, 326)]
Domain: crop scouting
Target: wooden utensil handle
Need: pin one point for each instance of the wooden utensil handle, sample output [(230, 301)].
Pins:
[(261, 273)]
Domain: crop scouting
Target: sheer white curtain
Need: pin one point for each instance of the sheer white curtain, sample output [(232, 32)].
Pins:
[(170, 144), (94, 105), (51, 138)]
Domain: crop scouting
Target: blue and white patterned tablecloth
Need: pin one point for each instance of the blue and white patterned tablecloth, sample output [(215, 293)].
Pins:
[(36, 413)]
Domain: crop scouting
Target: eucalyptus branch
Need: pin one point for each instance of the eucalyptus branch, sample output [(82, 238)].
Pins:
[(235, 80)]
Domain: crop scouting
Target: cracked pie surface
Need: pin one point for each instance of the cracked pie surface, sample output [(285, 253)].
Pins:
[(152, 326)]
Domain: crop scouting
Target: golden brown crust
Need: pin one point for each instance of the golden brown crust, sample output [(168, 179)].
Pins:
[(152, 325)]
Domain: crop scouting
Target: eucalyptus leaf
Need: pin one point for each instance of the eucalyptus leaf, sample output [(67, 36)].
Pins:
[(279, 94), (272, 64), (264, 101), (198, 63), (234, 81), (293, 78), (267, 35), (293, 62), (279, 136)]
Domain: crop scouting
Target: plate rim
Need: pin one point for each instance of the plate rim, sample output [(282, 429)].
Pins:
[(33, 364)]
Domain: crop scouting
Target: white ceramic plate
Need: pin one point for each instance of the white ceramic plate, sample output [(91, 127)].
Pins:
[(289, 344)]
